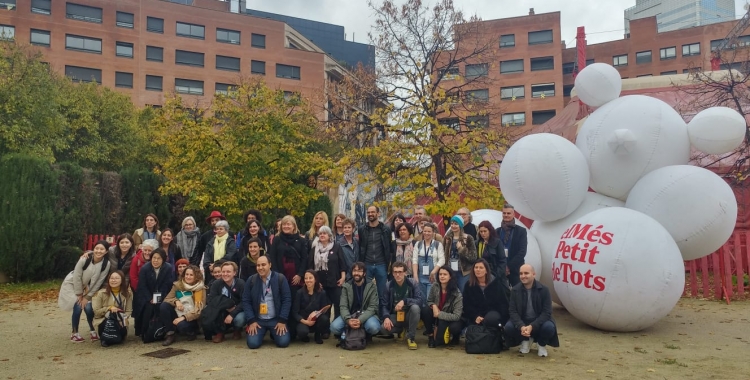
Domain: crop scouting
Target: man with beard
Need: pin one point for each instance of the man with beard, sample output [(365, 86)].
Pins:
[(375, 248), (357, 298), (514, 241)]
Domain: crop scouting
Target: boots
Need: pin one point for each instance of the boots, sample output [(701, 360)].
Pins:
[(318, 338), (430, 341), (171, 337)]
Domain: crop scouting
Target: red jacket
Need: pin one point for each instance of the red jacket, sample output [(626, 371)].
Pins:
[(135, 268)]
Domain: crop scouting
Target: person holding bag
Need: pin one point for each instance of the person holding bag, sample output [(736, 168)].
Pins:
[(182, 307), (80, 286), (442, 316), (309, 308), (460, 251), (112, 307)]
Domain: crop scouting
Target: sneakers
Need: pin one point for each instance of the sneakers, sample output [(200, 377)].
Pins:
[(76, 338), (525, 346), (412, 344), (94, 337), (542, 352)]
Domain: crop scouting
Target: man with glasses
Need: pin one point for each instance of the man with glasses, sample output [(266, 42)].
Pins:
[(469, 227), (514, 241), (400, 305)]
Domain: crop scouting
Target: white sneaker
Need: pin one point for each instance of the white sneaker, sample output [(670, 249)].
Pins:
[(525, 346), (542, 351)]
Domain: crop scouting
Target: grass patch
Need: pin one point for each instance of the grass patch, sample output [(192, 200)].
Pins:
[(30, 291), (671, 346)]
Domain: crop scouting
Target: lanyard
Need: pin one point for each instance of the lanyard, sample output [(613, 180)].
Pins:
[(427, 250), (266, 289), (118, 300)]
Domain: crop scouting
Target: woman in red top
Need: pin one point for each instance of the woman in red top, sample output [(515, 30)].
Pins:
[(140, 259), (444, 308)]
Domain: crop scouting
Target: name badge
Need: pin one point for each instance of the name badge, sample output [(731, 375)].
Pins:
[(156, 298), (425, 270), (454, 265), (400, 316), (263, 308), (506, 252)]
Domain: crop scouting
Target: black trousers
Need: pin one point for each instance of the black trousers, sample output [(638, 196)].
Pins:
[(322, 326), (443, 326), (167, 315), (334, 294)]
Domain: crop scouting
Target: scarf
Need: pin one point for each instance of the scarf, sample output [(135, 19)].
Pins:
[(508, 227), (290, 252), (187, 241), (321, 255), (196, 289), (405, 249), (220, 247)]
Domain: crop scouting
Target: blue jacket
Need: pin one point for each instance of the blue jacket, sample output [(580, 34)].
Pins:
[(251, 297), (417, 298)]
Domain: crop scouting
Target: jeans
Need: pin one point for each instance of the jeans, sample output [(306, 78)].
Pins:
[(443, 326), (411, 319), (380, 272), (89, 310), (265, 325), (322, 326), (542, 336), (462, 280), (167, 315), (372, 326)]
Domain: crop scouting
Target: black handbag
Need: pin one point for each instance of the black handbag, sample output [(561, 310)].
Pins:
[(155, 330), (112, 331), (481, 340)]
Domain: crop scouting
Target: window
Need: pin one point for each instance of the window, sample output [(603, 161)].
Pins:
[(475, 71), (482, 95), (668, 72), (473, 122), (124, 49), (286, 71), (542, 90), (224, 89), (668, 53), (87, 44), (258, 40), (567, 89), (258, 67), (228, 36), (191, 30), (7, 32), (83, 13), (83, 74), (153, 83), (518, 118), (507, 40), (715, 44), (227, 63), (514, 66), (568, 67), (40, 37), (182, 57), (540, 37), (43, 7), (541, 117), (187, 86), (450, 74), (620, 60), (451, 123), (691, 49), (124, 80), (542, 63), (512, 93), (125, 20), (154, 53), (155, 25), (643, 57)]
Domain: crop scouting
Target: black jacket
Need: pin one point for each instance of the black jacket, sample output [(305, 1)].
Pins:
[(387, 238), (291, 246), (235, 293), (230, 253), (200, 247), (213, 315), (336, 265), (494, 253), (247, 267), (149, 283), (304, 303), (471, 229), (517, 249), (478, 302), (245, 238), (387, 298), (541, 302)]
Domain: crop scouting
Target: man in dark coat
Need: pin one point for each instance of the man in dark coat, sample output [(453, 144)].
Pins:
[(375, 248), (513, 238), (530, 315)]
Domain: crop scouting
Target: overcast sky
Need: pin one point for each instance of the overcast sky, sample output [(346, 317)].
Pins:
[(603, 19)]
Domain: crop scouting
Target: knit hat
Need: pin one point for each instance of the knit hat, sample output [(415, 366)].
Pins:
[(458, 220)]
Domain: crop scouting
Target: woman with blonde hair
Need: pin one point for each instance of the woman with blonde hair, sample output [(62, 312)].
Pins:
[(288, 253), (319, 220), (183, 305)]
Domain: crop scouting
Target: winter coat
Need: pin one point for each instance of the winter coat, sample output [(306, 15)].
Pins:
[(199, 299), (478, 302), (114, 260), (149, 283), (135, 269), (541, 302), (304, 303), (282, 297), (336, 265), (292, 247), (103, 301), (453, 307), (235, 294), (387, 237), (467, 254), (387, 299), (82, 282), (369, 302), (494, 253), (517, 248), (350, 254), (230, 253), (247, 266), (138, 237), (471, 230), (243, 238), (174, 253)]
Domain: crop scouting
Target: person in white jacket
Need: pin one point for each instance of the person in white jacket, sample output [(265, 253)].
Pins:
[(80, 286), (427, 258)]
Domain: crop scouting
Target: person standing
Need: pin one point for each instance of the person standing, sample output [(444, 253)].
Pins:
[(490, 248), (400, 305), (121, 255), (267, 304), (187, 238), (513, 238), (247, 264), (349, 246), (469, 227), (419, 214), (288, 254), (375, 248), (221, 246), (403, 247), (460, 250), (167, 243), (530, 314), (428, 257), (150, 230), (141, 258), (200, 248), (327, 261)]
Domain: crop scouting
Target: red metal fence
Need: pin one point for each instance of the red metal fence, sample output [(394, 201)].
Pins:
[(721, 274), (91, 240)]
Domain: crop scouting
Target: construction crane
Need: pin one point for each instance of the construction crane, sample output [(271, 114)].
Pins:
[(730, 39)]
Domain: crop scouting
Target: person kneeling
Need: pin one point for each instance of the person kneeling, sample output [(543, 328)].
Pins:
[(183, 305), (114, 302), (359, 304), (530, 314), (444, 307), (401, 300), (266, 302), (224, 307), (309, 309)]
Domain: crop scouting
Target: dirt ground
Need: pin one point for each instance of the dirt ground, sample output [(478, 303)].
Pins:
[(698, 340)]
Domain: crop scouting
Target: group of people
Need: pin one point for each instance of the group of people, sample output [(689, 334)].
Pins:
[(383, 278)]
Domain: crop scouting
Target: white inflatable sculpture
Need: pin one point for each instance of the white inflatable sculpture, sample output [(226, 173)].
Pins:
[(533, 252), (613, 267)]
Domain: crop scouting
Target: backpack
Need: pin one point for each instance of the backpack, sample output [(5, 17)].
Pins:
[(354, 339), (481, 340), (155, 330), (105, 264)]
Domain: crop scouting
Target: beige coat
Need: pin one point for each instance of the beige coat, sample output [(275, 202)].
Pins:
[(102, 302)]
